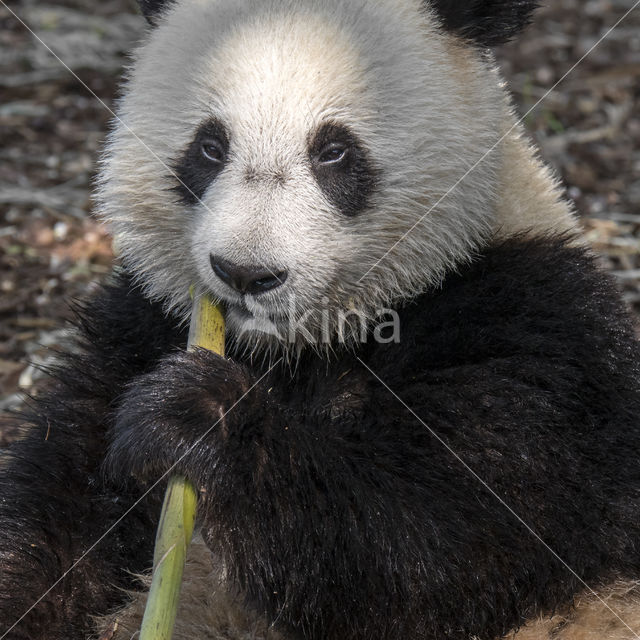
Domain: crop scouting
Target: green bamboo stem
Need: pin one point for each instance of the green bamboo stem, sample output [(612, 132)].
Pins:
[(181, 500), (172, 541)]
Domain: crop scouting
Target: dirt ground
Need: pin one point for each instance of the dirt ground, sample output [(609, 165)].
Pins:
[(52, 128)]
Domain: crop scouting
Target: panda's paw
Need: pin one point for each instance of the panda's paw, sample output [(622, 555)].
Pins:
[(176, 416)]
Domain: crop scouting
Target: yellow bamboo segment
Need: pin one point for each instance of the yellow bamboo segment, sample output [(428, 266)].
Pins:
[(207, 325), (180, 502)]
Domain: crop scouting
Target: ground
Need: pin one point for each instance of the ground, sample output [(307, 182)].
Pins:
[(52, 128)]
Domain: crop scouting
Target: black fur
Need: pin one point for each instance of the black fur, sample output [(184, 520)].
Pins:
[(339, 514), (54, 502), (195, 172), (486, 22), (348, 184), (151, 9)]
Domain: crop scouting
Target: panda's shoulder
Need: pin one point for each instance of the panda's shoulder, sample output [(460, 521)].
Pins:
[(550, 275), (119, 325), (542, 295)]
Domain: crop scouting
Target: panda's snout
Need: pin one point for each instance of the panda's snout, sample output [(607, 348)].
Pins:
[(247, 279)]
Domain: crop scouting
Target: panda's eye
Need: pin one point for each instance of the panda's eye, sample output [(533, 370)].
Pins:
[(342, 167), (333, 153), (212, 150), (202, 160)]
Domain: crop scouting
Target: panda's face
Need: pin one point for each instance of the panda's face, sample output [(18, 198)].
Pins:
[(278, 170), (290, 157)]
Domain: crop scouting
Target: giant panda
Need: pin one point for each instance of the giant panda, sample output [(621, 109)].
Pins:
[(426, 423)]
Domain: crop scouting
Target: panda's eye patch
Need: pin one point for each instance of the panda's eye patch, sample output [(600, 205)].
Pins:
[(201, 162), (342, 167), (212, 150), (333, 153)]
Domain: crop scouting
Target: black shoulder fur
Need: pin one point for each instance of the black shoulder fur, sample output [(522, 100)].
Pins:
[(340, 515)]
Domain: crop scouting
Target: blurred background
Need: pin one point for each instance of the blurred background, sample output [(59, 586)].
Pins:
[(52, 128)]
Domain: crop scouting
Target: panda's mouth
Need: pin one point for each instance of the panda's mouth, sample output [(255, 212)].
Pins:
[(239, 314), (241, 311), (242, 321)]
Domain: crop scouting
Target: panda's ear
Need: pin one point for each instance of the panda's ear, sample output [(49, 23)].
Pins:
[(151, 9), (485, 22)]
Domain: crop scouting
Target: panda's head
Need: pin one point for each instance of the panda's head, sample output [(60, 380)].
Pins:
[(298, 158)]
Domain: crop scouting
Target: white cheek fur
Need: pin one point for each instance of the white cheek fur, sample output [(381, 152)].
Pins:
[(427, 107)]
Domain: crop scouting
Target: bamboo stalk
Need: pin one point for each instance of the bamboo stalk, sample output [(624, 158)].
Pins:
[(181, 499)]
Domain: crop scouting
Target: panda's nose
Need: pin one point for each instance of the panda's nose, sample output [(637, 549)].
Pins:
[(246, 279)]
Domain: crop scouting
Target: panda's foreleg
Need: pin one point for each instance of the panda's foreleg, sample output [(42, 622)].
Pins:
[(334, 526), (54, 508), (361, 524), (54, 502)]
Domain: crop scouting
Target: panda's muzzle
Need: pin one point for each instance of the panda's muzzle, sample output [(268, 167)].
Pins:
[(247, 279)]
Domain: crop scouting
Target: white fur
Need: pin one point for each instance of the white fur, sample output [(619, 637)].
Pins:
[(426, 107)]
